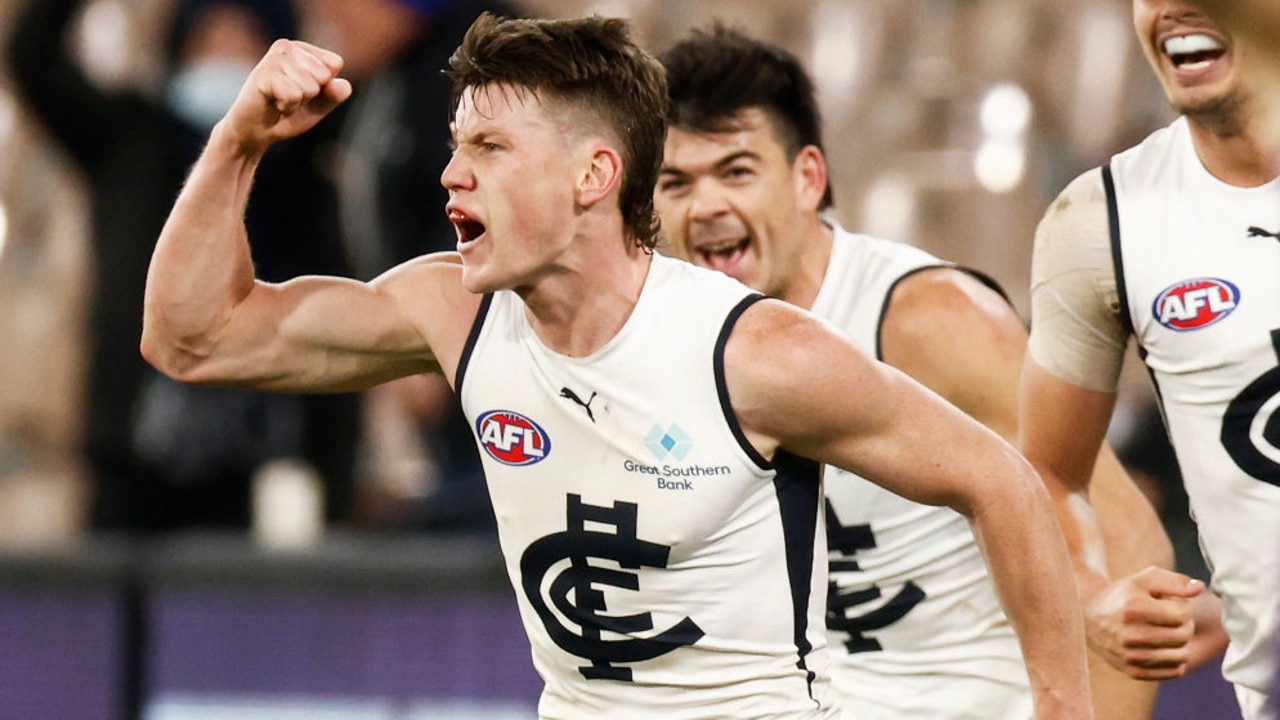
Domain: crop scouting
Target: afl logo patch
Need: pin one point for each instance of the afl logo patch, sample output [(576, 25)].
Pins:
[(511, 438), (1197, 303)]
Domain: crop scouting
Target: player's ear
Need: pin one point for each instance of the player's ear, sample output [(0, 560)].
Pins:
[(809, 177), (600, 175)]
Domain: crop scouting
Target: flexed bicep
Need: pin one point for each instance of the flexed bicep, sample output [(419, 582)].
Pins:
[(331, 334)]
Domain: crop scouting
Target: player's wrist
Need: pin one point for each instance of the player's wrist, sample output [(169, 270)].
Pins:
[(229, 141)]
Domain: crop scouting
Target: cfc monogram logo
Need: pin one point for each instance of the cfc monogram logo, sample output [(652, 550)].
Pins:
[(577, 595), (1251, 424), (861, 611)]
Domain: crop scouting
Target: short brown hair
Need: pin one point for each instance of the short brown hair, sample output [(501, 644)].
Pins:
[(589, 62)]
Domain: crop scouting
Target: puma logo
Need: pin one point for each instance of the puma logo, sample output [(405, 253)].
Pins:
[(571, 395), (1255, 231)]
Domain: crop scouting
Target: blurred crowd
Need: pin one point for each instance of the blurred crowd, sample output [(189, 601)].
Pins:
[(951, 125)]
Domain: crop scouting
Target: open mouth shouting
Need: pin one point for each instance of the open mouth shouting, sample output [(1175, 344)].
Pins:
[(723, 255), (1194, 53), (469, 229)]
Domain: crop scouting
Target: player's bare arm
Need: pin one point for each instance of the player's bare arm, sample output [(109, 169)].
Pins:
[(1137, 543), (963, 340), (797, 385), (208, 320), (1139, 621)]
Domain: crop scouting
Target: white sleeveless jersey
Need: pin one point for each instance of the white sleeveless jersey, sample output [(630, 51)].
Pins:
[(663, 568), (1198, 270), (909, 595)]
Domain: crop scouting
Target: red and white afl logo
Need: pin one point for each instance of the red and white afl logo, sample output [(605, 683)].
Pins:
[(1193, 304), (511, 438)]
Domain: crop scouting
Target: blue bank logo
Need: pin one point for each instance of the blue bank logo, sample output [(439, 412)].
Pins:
[(668, 441)]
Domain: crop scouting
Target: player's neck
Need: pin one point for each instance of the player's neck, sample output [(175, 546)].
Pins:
[(811, 265), (1245, 155), (580, 307)]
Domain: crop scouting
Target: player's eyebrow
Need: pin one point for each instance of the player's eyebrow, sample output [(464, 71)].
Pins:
[(720, 164)]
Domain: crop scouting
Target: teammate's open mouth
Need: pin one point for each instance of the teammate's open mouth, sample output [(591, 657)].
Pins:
[(1193, 52), (725, 255)]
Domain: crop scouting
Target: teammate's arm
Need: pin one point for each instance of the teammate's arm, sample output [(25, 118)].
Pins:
[(208, 320), (1133, 535), (798, 385), (964, 340), (1141, 622)]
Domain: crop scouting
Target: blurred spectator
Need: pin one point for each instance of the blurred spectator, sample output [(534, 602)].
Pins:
[(163, 456), (395, 140)]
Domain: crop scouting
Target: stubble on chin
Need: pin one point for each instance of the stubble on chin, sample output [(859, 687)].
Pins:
[(1223, 116)]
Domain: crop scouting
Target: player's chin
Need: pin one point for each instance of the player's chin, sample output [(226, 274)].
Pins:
[(475, 279)]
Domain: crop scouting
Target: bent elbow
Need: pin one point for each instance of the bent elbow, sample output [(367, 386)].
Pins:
[(169, 358)]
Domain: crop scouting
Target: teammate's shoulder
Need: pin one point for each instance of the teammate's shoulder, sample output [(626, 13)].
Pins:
[(943, 302), (942, 287), (1081, 208), (1085, 190)]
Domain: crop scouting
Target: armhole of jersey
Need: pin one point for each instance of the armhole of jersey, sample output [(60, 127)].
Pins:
[(798, 485), (1117, 257), (987, 280), (978, 275), (472, 338), (722, 390)]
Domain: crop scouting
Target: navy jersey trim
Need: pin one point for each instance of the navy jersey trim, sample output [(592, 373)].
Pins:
[(978, 275), (798, 486), (1117, 257), (472, 338), (987, 280), (722, 389), (1117, 263)]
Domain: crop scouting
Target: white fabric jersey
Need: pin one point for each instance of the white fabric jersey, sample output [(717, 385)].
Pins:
[(910, 600), (1199, 274), (663, 568)]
